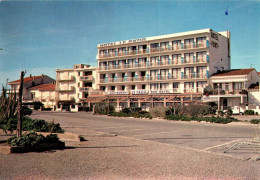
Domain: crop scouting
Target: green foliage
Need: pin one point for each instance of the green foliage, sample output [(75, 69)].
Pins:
[(255, 121), (212, 119), (126, 110), (158, 112), (8, 104), (26, 111), (32, 139), (32, 125), (140, 114), (229, 112), (249, 112), (103, 108)]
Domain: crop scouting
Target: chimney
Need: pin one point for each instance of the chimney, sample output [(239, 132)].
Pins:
[(30, 75)]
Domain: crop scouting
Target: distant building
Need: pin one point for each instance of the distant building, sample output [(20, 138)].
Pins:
[(28, 83), (44, 93), (73, 86)]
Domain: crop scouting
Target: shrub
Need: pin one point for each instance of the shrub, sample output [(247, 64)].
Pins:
[(103, 108), (32, 139), (158, 112), (26, 111), (249, 112), (207, 119), (33, 125), (126, 110), (255, 121)]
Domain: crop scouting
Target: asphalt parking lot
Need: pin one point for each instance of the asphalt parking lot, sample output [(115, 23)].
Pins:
[(235, 139)]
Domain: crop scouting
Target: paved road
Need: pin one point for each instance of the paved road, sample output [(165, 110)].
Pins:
[(142, 149), (202, 136)]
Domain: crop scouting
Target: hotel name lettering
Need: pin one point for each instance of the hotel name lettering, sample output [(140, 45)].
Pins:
[(123, 42)]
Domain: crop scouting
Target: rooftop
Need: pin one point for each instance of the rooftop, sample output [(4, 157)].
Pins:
[(234, 72), (26, 79), (44, 87), (224, 33)]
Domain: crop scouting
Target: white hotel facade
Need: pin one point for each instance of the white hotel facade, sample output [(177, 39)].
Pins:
[(174, 63)]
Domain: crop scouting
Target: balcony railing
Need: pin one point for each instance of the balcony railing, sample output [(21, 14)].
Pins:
[(66, 78), (154, 78), (85, 89), (64, 89), (86, 78), (151, 64), (155, 50)]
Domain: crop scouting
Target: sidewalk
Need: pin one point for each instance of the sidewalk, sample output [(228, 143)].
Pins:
[(106, 156)]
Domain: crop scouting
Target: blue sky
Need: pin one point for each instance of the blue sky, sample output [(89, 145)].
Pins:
[(42, 36)]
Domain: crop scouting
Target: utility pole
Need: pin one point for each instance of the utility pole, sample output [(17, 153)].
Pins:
[(19, 122)]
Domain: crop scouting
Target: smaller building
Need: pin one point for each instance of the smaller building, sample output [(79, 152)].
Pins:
[(28, 83), (230, 88), (73, 87), (44, 93)]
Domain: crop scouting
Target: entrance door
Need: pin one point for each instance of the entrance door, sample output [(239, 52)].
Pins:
[(224, 104)]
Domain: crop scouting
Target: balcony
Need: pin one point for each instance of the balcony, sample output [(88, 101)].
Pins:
[(86, 78), (152, 64), (63, 79), (85, 89), (65, 89), (155, 50), (195, 76)]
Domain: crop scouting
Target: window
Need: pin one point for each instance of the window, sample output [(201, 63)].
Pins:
[(201, 41), (188, 43), (188, 57), (78, 73), (143, 86), (78, 84), (123, 88), (237, 85), (201, 71), (201, 85), (175, 85), (176, 58), (176, 73), (188, 72), (113, 88), (164, 46), (226, 86), (164, 59), (154, 86), (154, 60), (133, 87), (201, 56), (176, 44), (164, 86), (189, 86)]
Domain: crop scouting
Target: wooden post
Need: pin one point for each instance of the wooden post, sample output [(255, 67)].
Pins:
[(19, 123)]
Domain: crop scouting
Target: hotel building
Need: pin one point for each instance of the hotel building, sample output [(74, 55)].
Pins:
[(176, 66)]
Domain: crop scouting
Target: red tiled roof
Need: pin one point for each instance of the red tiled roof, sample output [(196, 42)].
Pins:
[(258, 73), (234, 72), (26, 79), (44, 87)]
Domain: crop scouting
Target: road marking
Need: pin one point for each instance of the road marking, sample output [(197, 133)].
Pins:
[(158, 133), (221, 144)]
